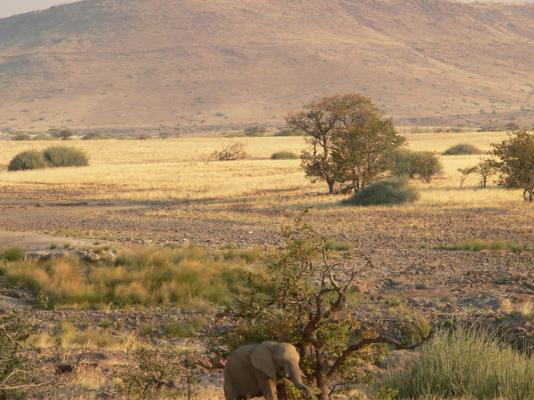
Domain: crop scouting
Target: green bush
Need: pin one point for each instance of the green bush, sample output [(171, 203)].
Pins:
[(422, 164), (61, 156), (462, 149), (385, 192), (465, 364), (27, 160), (255, 131), (284, 155), (14, 254)]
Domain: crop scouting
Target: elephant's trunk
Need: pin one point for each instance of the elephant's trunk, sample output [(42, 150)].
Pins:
[(296, 377)]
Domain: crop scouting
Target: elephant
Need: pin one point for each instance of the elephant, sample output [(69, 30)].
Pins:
[(255, 370)]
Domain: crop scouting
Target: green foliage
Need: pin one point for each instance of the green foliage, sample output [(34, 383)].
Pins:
[(284, 155), (516, 165), (62, 156), (385, 192), (15, 253), (187, 276), (462, 149), (27, 160), (465, 363), (480, 245), (422, 164)]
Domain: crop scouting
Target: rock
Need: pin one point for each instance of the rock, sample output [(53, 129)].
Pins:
[(65, 368)]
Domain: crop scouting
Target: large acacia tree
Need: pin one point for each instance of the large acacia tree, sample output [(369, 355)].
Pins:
[(349, 140), (516, 162)]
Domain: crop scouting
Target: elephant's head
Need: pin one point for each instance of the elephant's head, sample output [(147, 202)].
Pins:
[(280, 360)]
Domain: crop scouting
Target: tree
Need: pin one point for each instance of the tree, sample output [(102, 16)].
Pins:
[(309, 305), (348, 138), (464, 174), (486, 169), (516, 162)]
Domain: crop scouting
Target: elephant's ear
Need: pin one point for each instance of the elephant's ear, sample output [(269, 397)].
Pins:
[(262, 359)]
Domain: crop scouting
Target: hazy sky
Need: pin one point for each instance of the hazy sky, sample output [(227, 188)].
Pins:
[(11, 7)]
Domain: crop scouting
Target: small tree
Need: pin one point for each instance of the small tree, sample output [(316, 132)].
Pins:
[(516, 162), (464, 174), (486, 169), (308, 306)]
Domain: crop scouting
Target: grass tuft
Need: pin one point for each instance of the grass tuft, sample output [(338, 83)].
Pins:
[(14, 254), (480, 245), (465, 363)]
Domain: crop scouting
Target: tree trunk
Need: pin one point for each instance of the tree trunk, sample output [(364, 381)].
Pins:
[(331, 186), (320, 375)]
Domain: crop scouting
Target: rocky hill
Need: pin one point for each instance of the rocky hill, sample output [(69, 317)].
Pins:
[(195, 64)]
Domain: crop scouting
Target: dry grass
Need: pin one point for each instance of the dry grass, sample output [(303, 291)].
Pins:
[(176, 169)]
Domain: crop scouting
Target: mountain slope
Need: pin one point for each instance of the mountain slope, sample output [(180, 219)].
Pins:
[(192, 63)]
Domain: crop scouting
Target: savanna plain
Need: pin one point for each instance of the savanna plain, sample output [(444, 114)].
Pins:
[(143, 248)]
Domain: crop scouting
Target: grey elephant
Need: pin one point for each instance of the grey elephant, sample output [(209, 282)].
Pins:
[(255, 370)]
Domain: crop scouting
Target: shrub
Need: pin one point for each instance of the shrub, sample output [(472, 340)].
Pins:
[(385, 192), (465, 363), (233, 152), (21, 136), (95, 136), (61, 156), (14, 254), (284, 155), (290, 132), (462, 149), (337, 245), (27, 160), (255, 131), (422, 164)]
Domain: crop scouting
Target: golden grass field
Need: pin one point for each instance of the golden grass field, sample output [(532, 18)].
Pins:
[(143, 170)]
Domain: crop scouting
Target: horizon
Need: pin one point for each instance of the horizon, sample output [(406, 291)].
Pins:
[(9, 8)]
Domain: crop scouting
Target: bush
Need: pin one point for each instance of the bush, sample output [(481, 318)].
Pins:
[(233, 152), (95, 136), (462, 149), (255, 131), (27, 160), (284, 155), (61, 156), (385, 192), (465, 363), (22, 136), (14, 254), (290, 132), (422, 164)]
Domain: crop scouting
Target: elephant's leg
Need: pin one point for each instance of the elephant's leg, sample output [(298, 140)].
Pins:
[(268, 389), (281, 390)]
